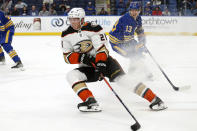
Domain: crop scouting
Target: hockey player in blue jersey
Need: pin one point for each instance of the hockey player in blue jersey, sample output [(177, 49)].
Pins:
[(122, 41), (122, 38), (6, 35)]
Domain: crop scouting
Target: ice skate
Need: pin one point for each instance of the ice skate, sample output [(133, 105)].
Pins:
[(157, 104), (2, 60), (18, 65), (90, 105)]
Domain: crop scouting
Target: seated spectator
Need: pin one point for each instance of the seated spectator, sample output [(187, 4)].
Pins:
[(52, 12), (166, 12), (20, 4), (194, 10), (44, 11), (121, 7), (33, 11), (63, 2), (147, 11), (103, 12), (156, 2), (67, 10), (90, 9), (187, 6), (15, 12), (6, 4), (62, 10), (157, 11), (55, 7), (24, 12), (7, 12)]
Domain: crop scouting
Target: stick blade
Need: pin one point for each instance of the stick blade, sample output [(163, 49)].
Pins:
[(186, 87), (182, 88), (135, 127)]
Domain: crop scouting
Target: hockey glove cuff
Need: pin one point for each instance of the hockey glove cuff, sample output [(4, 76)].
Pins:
[(86, 59), (101, 68)]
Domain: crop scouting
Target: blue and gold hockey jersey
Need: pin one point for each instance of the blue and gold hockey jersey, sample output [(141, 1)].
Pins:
[(124, 29), (5, 22), (6, 26)]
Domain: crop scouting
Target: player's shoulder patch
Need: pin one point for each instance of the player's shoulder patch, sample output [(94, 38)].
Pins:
[(68, 31), (91, 27)]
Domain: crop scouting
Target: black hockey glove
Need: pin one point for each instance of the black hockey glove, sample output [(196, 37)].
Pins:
[(101, 69), (86, 59)]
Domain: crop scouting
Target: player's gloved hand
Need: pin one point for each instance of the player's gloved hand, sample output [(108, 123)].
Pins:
[(86, 59), (101, 70), (141, 47)]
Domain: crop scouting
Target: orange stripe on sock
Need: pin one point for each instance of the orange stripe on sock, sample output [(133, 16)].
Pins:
[(84, 94), (149, 95)]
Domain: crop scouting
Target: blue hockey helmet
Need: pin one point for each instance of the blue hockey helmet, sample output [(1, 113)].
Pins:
[(134, 6)]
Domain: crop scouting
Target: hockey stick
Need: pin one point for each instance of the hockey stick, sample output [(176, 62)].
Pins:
[(135, 126), (162, 71)]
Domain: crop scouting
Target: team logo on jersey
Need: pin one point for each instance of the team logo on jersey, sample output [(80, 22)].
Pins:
[(83, 46)]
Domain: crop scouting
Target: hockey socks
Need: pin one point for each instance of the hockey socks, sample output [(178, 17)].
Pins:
[(1, 52), (144, 92), (82, 91), (156, 103), (14, 56)]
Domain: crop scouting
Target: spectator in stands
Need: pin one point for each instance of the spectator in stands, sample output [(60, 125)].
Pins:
[(194, 10), (90, 9), (6, 4), (33, 11), (63, 2), (55, 7), (20, 5), (44, 11), (121, 7), (157, 11), (62, 10), (15, 12), (156, 2), (166, 12), (147, 11), (186, 7), (7, 12), (67, 10), (52, 12), (24, 12), (103, 12)]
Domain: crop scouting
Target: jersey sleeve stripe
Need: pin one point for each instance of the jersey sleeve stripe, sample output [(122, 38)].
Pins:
[(120, 50)]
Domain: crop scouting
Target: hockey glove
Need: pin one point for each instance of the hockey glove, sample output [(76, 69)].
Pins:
[(101, 70), (86, 59), (141, 44)]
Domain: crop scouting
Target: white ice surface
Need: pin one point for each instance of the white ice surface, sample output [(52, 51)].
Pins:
[(40, 99)]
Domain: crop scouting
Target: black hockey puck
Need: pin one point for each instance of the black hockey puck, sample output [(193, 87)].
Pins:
[(135, 127)]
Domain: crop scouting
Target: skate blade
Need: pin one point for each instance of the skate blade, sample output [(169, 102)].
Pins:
[(85, 109), (160, 109), (20, 68)]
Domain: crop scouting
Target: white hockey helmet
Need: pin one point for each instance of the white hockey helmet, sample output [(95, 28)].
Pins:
[(76, 13)]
